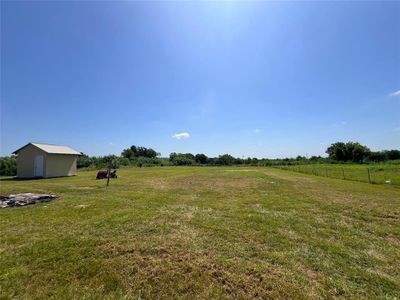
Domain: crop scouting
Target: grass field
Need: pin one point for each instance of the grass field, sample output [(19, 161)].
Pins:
[(378, 173), (193, 232)]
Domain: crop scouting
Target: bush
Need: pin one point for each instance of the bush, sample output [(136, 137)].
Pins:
[(8, 166), (146, 161), (183, 161), (123, 161), (84, 161)]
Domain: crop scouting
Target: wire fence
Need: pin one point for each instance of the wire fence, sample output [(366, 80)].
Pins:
[(369, 174)]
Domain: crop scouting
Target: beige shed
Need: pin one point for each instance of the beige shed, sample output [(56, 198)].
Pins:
[(44, 160)]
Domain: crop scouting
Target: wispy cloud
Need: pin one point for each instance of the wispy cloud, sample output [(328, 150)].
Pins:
[(340, 124), (257, 130), (395, 94), (181, 135)]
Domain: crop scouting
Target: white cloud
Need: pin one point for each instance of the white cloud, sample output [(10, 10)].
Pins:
[(181, 135), (395, 94)]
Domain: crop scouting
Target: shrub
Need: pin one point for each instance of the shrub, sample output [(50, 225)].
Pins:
[(8, 166)]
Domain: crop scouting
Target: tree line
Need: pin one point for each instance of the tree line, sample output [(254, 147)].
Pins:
[(139, 156), (339, 152)]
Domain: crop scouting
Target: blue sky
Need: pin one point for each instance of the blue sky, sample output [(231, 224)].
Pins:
[(263, 79)]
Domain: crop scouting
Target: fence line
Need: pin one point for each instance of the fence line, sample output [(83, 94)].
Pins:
[(372, 175)]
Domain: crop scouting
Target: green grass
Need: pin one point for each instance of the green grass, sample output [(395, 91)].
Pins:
[(194, 232), (378, 173)]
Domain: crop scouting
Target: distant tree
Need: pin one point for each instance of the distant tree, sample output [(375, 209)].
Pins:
[(377, 156), (103, 161), (254, 161), (350, 151), (337, 151), (357, 151), (182, 159), (172, 156), (392, 154), (238, 161), (201, 158), (225, 160), (123, 161), (315, 158), (84, 161), (127, 153), (247, 161), (147, 161), (134, 152), (146, 152), (211, 160)]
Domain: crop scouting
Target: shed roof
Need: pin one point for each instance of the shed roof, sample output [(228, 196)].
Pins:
[(52, 149)]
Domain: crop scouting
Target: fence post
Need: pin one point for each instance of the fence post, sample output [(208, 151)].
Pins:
[(343, 174), (326, 172), (369, 176), (109, 172)]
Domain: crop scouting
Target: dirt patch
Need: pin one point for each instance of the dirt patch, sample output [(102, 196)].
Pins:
[(273, 213), (81, 206), (393, 239)]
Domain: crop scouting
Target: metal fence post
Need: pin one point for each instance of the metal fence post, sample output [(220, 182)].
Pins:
[(109, 172), (369, 176)]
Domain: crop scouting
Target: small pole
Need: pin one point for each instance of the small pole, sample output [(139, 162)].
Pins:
[(109, 172), (369, 176), (343, 174), (326, 172)]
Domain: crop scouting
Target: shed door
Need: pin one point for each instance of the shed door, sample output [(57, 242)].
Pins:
[(38, 167)]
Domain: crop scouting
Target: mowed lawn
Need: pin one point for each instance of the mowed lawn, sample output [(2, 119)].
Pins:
[(193, 232)]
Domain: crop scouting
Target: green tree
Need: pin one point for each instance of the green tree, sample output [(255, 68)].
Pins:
[(349, 151), (337, 151), (84, 161), (135, 152), (181, 159), (8, 166), (201, 158), (225, 160)]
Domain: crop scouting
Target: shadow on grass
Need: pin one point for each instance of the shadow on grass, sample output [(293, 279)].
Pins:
[(20, 179), (9, 178)]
